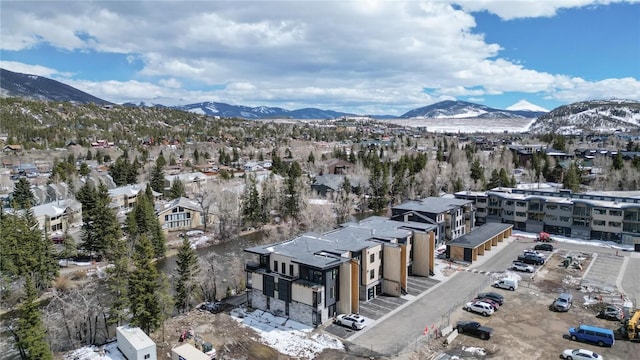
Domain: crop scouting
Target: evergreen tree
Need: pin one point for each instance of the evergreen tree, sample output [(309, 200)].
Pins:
[(23, 198), (187, 269), (379, 186), (84, 169), (117, 284), (177, 189), (311, 159), (572, 178), (143, 221), (157, 178), (618, 162), (144, 289), (161, 161), (494, 180), (251, 209), (477, 171), (292, 194), (31, 332)]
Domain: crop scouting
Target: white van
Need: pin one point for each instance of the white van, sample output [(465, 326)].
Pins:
[(509, 284)]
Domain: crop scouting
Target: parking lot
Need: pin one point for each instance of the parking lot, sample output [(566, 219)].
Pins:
[(382, 305), (525, 327)]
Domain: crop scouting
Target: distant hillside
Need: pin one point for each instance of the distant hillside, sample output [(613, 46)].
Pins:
[(462, 109), (590, 116), (41, 88), (259, 112)]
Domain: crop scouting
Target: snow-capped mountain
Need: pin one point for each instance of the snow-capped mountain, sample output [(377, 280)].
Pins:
[(461, 109), (259, 112), (590, 116), (36, 87), (526, 106)]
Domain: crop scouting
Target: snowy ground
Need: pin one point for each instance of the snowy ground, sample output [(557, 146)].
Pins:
[(107, 352), (285, 335), (558, 238)]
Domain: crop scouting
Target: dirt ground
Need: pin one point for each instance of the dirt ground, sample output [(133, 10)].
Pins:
[(525, 328)]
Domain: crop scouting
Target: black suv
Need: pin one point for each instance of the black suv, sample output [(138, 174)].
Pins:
[(543, 247), (493, 296), (531, 259)]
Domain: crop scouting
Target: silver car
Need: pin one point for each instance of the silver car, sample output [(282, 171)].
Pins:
[(520, 266)]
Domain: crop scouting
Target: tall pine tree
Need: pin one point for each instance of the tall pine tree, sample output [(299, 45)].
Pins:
[(23, 198), (144, 288), (187, 269), (31, 332)]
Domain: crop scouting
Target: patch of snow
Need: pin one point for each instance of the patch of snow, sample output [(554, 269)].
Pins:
[(106, 352), (558, 238), (475, 350), (285, 335), (526, 106)]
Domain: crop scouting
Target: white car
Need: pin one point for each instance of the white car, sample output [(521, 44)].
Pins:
[(580, 354), (354, 321), (479, 307), (520, 266)]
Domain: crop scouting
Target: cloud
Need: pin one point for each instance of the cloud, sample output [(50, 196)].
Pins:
[(28, 68), (344, 55), (510, 9)]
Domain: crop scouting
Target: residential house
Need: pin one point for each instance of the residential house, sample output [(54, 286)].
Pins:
[(193, 182), (336, 166), (124, 198), (12, 148), (57, 217), (251, 166), (183, 214)]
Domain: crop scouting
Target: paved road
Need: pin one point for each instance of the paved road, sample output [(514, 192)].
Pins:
[(631, 279), (392, 334)]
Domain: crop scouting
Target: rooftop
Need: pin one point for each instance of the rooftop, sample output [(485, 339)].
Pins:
[(434, 205), (480, 235)]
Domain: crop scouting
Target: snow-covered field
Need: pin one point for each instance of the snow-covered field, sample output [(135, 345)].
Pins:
[(285, 335), (606, 244), (467, 125)]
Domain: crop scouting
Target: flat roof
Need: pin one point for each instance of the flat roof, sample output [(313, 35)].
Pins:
[(136, 337), (480, 235)]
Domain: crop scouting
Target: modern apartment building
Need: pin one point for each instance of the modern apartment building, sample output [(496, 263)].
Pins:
[(453, 217), (313, 277), (612, 216)]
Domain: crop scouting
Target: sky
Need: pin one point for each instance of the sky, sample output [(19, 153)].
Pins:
[(363, 57)]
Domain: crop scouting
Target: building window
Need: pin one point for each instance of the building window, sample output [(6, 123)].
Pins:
[(615, 223), (598, 222), (372, 257), (615, 212), (599, 211), (147, 356), (372, 274), (284, 268), (275, 265), (291, 269)]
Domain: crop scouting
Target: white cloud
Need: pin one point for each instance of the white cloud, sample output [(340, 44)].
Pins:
[(28, 69), (510, 9), (344, 55)]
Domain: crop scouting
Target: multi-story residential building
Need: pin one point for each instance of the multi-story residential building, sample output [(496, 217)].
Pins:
[(314, 276), (193, 182), (123, 198), (57, 217), (612, 216), (183, 214), (453, 217)]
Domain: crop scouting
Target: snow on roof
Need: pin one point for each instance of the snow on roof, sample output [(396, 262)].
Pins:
[(137, 338)]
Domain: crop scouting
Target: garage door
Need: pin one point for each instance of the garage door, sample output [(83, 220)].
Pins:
[(468, 255)]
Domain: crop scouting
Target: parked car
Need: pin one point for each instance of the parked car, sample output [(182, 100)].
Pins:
[(563, 302), (479, 307), (592, 334), (531, 259), (611, 312), (509, 284), (543, 247), (520, 266), (533, 252), (354, 321), (580, 354), (474, 328), (493, 296), (212, 307), (491, 302)]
